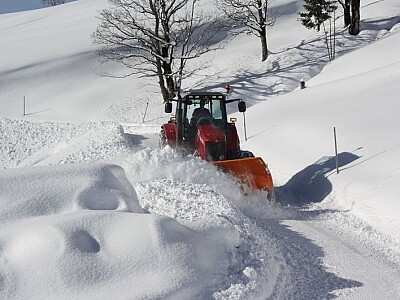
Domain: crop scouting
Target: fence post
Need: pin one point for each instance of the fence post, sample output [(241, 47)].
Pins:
[(145, 112), (336, 151), (244, 123)]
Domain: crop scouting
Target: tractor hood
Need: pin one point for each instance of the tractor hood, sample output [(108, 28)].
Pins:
[(210, 133)]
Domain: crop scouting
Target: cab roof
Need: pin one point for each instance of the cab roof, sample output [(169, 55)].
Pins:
[(205, 95)]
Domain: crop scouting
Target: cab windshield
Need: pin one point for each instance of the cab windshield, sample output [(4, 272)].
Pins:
[(214, 109)]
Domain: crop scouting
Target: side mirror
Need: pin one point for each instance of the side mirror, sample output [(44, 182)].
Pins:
[(242, 106), (168, 107)]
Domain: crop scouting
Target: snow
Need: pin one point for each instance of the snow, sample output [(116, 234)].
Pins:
[(91, 208), (11, 6), (366, 145)]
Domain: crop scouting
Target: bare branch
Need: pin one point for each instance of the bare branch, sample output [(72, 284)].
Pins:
[(156, 37)]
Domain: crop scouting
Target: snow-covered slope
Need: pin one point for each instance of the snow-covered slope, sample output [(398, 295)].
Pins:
[(11, 6), (96, 210), (54, 65), (360, 100)]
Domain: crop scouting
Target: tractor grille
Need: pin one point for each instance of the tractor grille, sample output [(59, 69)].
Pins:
[(215, 151)]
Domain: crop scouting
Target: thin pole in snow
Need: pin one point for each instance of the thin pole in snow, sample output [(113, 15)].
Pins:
[(145, 112), (334, 34), (336, 152), (244, 123), (24, 107)]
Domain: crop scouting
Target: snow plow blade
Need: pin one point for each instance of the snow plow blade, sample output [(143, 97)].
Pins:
[(252, 171)]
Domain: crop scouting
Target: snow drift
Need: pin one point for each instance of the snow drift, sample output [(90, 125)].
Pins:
[(78, 231)]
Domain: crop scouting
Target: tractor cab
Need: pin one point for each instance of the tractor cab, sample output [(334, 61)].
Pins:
[(203, 109), (202, 128)]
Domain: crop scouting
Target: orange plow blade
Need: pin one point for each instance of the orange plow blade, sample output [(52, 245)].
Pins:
[(252, 171)]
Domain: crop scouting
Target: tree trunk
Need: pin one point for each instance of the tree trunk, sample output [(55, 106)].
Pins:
[(354, 28), (346, 11), (262, 21), (264, 46), (170, 86), (169, 80), (167, 72), (161, 83)]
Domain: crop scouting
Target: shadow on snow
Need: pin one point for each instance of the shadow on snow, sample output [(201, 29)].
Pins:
[(304, 259), (311, 184)]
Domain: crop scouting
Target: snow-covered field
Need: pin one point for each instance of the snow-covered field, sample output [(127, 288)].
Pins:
[(90, 208)]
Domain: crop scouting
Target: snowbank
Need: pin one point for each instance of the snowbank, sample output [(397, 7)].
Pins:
[(24, 143), (88, 217), (77, 231)]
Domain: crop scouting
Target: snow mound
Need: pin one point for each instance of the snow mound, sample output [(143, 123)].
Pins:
[(40, 191), (100, 254), (201, 197), (146, 167), (80, 230), (24, 143)]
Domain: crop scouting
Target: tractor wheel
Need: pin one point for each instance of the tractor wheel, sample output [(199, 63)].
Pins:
[(241, 154), (162, 140), (244, 154)]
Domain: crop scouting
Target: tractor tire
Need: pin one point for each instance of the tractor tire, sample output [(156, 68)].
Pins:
[(241, 154), (245, 154), (162, 139)]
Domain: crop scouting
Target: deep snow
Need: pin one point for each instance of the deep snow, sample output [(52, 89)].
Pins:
[(91, 208)]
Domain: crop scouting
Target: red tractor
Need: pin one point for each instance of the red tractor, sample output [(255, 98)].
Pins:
[(200, 127)]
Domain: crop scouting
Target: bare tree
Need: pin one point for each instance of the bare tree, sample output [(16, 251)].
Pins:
[(52, 2), (252, 15), (156, 38)]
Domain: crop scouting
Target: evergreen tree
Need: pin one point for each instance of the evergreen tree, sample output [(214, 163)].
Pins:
[(52, 2), (317, 12)]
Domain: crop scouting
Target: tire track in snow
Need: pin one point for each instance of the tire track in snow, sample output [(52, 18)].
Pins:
[(310, 248), (328, 256)]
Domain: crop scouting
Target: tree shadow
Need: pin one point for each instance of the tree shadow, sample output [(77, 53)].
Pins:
[(372, 3), (380, 24), (286, 67), (311, 185), (280, 74)]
